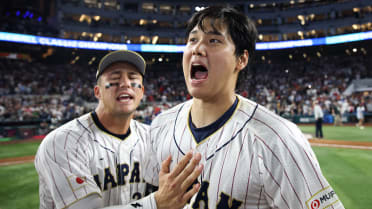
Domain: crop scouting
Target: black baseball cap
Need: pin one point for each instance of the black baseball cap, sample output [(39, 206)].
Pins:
[(122, 56)]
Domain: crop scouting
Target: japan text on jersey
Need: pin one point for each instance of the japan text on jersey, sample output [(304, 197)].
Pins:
[(80, 159), (255, 159)]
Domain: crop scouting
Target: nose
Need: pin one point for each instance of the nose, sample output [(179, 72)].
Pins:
[(199, 49), (124, 82)]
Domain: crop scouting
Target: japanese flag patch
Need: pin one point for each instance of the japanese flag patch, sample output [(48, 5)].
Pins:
[(76, 182)]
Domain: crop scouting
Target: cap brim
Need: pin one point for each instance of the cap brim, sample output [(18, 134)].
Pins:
[(122, 56)]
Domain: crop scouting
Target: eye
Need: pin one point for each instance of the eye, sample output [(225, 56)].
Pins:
[(134, 76), (214, 41), (192, 40)]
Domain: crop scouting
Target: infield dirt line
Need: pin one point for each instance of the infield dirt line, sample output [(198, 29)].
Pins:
[(341, 146), (16, 160), (313, 142)]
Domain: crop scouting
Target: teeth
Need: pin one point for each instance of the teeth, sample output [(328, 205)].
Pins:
[(124, 96)]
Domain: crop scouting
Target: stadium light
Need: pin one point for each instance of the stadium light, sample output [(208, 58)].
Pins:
[(197, 8), (26, 14)]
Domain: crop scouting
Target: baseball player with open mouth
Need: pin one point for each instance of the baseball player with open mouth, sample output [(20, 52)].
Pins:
[(252, 158), (97, 159)]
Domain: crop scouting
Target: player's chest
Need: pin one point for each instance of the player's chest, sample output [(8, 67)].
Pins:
[(181, 139), (116, 165), (230, 176), (230, 171), (230, 179)]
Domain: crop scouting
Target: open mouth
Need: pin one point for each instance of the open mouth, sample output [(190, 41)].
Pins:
[(124, 97), (199, 72)]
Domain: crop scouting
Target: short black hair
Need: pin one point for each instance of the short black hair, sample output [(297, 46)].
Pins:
[(242, 30)]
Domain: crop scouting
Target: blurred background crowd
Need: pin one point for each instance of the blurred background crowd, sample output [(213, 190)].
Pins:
[(33, 91), (44, 85)]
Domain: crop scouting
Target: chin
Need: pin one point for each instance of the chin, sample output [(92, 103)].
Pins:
[(126, 111), (198, 94)]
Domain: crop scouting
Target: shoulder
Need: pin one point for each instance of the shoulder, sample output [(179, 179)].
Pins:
[(270, 128), (72, 132), (140, 125), (140, 129), (246, 108), (58, 145), (171, 114)]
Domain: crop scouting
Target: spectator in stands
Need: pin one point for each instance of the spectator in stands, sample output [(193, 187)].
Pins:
[(285, 92), (318, 114), (2, 110)]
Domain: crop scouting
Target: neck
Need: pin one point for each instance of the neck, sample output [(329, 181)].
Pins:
[(117, 124), (205, 112)]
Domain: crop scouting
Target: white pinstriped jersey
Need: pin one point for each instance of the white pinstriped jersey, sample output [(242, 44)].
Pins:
[(255, 160), (79, 159)]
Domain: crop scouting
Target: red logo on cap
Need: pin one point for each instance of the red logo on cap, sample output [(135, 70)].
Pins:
[(79, 180), (315, 204)]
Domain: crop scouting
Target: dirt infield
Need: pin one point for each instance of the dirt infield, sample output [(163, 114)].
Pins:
[(313, 142), (341, 144), (16, 160)]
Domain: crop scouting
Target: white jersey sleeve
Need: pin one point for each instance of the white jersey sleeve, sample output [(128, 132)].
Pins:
[(288, 168), (147, 202), (93, 201), (62, 162), (152, 165)]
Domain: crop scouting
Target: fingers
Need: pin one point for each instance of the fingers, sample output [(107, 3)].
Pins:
[(165, 165), (190, 179), (189, 169), (175, 186), (181, 165), (191, 192)]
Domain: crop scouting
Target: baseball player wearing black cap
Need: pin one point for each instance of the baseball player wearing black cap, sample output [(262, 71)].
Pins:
[(96, 160)]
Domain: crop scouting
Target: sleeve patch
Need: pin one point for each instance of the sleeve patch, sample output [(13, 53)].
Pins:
[(322, 199), (76, 182)]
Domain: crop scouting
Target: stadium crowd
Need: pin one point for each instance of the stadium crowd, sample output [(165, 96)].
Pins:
[(54, 94), (289, 89)]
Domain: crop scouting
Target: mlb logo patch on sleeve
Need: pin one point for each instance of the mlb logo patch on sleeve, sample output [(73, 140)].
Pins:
[(76, 182), (323, 199)]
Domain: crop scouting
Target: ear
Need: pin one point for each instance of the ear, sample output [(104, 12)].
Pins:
[(242, 60), (97, 92), (143, 91)]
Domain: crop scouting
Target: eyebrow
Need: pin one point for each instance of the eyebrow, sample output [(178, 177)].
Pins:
[(115, 73), (134, 73), (213, 32)]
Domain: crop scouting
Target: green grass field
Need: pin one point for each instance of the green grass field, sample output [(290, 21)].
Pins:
[(19, 187), (349, 171), (348, 133), (19, 150)]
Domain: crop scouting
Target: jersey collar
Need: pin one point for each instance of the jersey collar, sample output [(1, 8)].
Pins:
[(100, 126)]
